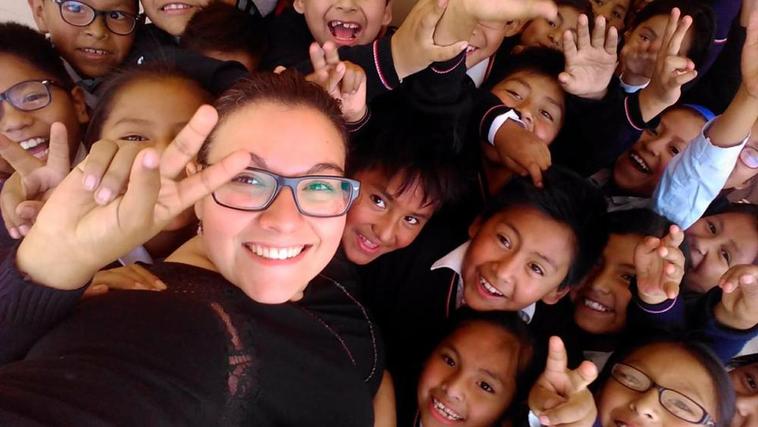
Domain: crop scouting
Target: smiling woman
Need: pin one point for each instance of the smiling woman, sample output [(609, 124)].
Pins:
[(248, 332)]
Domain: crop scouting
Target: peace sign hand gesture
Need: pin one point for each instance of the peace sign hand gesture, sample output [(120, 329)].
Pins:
[(560, 396), (74, 236)]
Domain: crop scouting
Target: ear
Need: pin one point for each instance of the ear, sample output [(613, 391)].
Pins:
[(514, 27), (556, 295), (387, 18), (299, 6), (80, 105), (38, 13), (473, 229)]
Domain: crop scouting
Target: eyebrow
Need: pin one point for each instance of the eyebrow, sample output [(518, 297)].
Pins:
[(555, 101), (647, 27), (392, 198), (132, 121), (491, 374), (313, 170)]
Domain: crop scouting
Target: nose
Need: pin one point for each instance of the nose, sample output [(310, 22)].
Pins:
[(453, 386), (600, 281), (97, 29), (655, 145), (384, 228), (346, 5), (526, 116), (282, 216), (556, 38), (646, 405), (505, 270), (13, 120)]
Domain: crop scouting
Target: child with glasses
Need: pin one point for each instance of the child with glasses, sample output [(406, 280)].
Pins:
[(662, 382), (93, 36)]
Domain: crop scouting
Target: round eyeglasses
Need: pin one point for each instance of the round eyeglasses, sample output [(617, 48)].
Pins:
[(81, 14), (320, 196), (673, 401), (29, 95)]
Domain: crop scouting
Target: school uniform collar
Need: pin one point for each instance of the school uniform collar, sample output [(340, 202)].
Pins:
[(454, 261), (88, 85)]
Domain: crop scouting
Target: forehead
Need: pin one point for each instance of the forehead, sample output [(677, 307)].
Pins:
[(412, 197), (741, 228), (670, 366), (620, 248), (16, 70), (540, 85), (537, 231), (130, 5), (266, 129), (683, 122), (486, 346), (158, 101)]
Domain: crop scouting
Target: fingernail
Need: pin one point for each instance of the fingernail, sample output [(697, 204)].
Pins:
[(14, 233), (103, 196), (545, 421), (159, 284), (99, 289), (90, 182), (150, 160), (23, 229)]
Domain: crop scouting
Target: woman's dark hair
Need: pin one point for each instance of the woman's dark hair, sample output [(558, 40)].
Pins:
[(722, 385), (31, 46), (569, 199), (287, 88), (224, 28), (123, 79), (527, 368), (539, 60), (703, 23)]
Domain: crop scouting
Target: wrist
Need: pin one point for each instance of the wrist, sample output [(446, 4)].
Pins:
[(37, 261), (730, 319), (632, 79), (653, 299), (650, 105)]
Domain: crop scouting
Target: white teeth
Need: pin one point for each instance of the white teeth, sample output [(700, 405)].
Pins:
[(594, 305), (639, 161), (275, 253), (367, 242), (445, 411), (92, 51), (176, 6), (348, 25), (470, 49), (491, 289), (31, 143)]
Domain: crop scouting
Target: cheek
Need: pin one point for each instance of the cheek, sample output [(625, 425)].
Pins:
[(613, 397), (360, 213), (406, 235)]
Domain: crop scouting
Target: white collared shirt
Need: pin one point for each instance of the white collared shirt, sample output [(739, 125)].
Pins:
[(454, 261)]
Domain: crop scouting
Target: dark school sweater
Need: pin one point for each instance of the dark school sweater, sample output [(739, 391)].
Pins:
[(201, 353)]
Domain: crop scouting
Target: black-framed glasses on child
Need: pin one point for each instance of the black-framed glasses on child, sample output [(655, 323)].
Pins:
[(321, 196), (673, 401), (29, 95), (81, 14)]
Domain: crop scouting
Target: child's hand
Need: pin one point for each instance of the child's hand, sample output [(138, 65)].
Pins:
[(343, 80), (638, 65), (560, 396), (671, 70), (589, 63), (129, 277), (739, 302), (24, 193), (522, 151), (74, 237), (659, 265), (750, 57)]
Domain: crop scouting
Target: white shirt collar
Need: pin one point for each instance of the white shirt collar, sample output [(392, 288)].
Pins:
[(478, 72)]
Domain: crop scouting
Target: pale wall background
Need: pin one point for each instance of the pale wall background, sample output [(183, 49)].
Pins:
[(16, 10)]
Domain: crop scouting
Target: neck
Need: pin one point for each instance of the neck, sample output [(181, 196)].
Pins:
[(192, 253)]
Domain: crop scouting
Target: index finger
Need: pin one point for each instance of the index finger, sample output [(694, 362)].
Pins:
[(557, 359), (318, 59), (675, 44), (17, 157), (536, 173), (330, 53), (188, 142)]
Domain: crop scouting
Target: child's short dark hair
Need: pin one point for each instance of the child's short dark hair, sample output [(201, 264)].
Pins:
[(569, 199), (537, 59), (123, 78), (31, 46), (528, 367), (703, 23), (224, 28), (641, 221), (414, 150), (581, 6)]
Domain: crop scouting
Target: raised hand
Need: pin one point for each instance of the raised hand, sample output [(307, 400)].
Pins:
[(74, 237), (24, 193), (560, 396), (590, 62), (671, 70), (750, 56), (739, 302), (343, 80), (659, 265), (522, 151)]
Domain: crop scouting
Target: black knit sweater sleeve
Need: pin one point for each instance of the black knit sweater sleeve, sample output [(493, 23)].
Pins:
[(27, 309)]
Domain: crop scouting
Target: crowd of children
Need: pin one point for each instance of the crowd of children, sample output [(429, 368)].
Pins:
[(498, 213)]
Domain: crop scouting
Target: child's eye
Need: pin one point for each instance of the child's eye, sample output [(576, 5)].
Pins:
[(74, 7), (726, 256), (617, 15), (116, 15), (751, 382), (653, 132), (412, 220), (644, 38), (486, 387), (515, 95), (547, 115), (448, 360), (537, 269), (378, 201), (674, 150), (552, 24), (711, 227), (134, 138), (627, 277), (504, 241), (599, 3)]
